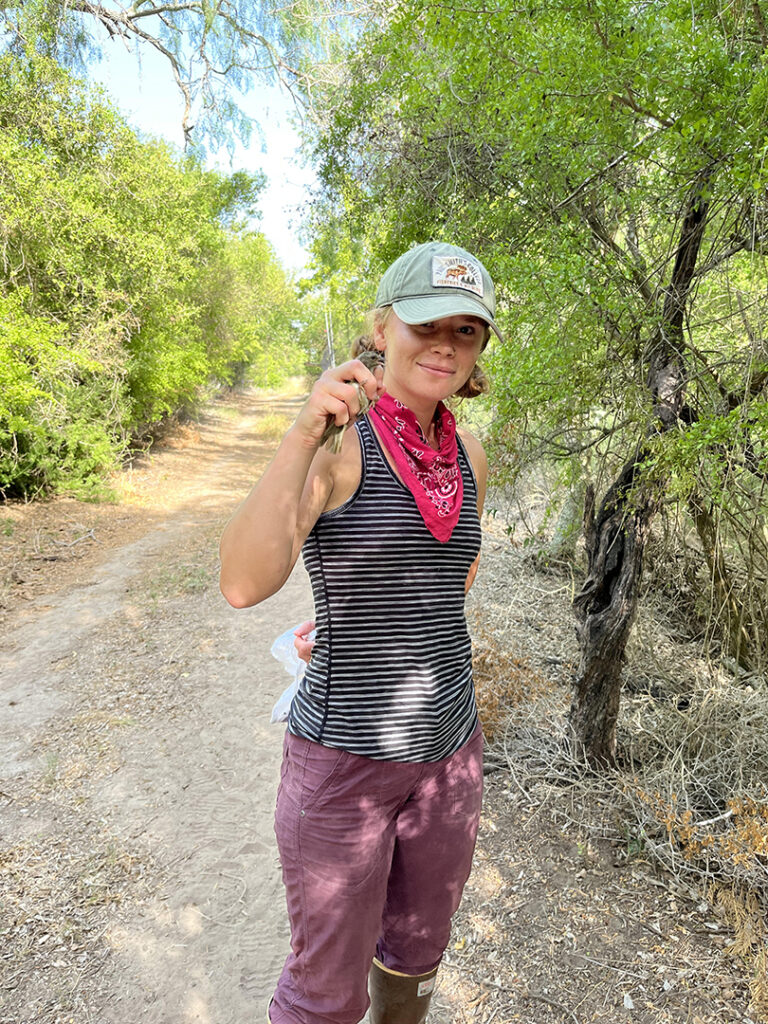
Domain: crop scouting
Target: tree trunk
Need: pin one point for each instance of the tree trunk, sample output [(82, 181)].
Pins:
[(737, 632), (605, 607)]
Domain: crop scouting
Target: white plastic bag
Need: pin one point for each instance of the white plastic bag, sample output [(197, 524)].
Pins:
[(284, 651)]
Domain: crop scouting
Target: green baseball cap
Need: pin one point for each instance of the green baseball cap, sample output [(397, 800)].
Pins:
[(436, 280)]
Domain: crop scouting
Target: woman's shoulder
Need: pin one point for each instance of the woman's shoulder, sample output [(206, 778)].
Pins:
[(474, 449)]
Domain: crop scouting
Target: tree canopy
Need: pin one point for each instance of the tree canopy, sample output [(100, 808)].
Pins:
[(216, 51)]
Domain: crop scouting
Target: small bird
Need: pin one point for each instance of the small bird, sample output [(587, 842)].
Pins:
[(333, 435)]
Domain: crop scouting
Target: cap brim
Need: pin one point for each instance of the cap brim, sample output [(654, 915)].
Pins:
[(435, 307)]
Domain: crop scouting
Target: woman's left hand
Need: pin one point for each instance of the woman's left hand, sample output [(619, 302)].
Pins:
[(302, 643)]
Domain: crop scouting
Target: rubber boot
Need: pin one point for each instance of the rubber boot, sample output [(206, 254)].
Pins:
[(399, 998)]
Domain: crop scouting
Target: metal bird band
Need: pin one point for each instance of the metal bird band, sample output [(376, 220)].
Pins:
[(333, 435)]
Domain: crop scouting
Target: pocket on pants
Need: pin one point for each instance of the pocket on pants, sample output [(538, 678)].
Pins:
[(309, 771), (339, 825)]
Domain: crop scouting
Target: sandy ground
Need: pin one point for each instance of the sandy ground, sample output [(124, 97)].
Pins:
[(139, 764), (138, 872)]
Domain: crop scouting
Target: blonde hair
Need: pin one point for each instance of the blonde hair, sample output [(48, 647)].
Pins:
[(476, 384)]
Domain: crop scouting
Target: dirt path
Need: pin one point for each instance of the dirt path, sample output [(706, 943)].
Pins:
[(138, 874), (139, 767)]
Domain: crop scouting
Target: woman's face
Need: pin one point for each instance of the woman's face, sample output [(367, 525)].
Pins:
[(428, 362)]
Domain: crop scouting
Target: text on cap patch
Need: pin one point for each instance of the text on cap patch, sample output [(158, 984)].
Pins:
[(456, 272)]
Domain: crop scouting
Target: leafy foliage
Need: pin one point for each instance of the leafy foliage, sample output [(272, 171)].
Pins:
[(255, 315), (565, 141), (216, 52), (51, 400), (125, 281)]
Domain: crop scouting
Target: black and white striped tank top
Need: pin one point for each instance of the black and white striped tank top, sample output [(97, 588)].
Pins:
[(391, 670)]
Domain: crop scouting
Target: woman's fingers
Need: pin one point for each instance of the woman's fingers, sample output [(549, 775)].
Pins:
[(372, 379), (302, 643), (342, 381), (344, 400), (336, 396), (304, 648), (353, 372)]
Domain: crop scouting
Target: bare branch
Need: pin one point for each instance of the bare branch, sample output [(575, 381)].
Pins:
[(631, 102), (598, 175), (217, 41), (752, 387), (754, 244), (666, 372), (133, 15)]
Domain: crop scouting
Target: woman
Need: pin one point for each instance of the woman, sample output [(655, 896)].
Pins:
[(381, 781)]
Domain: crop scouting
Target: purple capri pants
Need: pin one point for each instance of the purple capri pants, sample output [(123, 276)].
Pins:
[(375, 855)]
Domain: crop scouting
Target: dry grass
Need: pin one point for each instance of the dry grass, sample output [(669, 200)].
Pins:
[(698, 800), (690, 795), (55, 895), (691, 790), (502, 682), (670, 810), (272, 426)]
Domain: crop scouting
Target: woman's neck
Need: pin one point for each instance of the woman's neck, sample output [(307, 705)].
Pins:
[(424, 413)]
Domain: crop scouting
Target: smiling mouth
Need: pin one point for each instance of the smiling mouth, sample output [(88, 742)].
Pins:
[(442, 371)]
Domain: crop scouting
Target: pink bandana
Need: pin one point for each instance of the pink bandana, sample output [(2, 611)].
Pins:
[(432, 477)]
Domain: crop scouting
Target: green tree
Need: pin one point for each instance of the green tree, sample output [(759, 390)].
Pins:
[(116, 254), (253, 315), (52, 400), (216, 50), (336, 290), (608, 161)]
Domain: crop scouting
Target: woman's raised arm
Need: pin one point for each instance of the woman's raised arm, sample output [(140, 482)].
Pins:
[(262, 541)]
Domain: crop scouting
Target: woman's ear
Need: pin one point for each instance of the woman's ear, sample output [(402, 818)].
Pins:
[(379, 337)]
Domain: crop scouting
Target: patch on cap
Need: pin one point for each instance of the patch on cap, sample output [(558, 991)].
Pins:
[(457, 272)]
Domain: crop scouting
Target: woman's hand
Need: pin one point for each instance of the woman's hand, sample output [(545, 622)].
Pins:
[(302, 643), (335, 399)]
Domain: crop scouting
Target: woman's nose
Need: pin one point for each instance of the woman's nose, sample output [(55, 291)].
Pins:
[(443, 340)]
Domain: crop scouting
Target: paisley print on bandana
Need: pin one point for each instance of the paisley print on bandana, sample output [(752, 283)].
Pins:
[(432, 477)]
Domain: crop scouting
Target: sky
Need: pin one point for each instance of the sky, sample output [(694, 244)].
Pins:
[(146, 93)]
